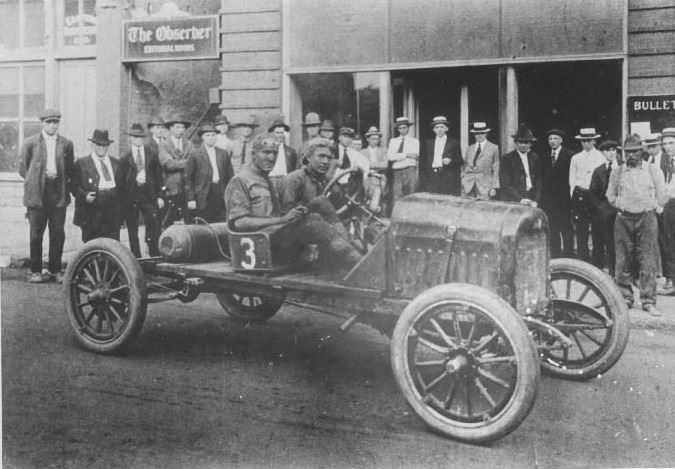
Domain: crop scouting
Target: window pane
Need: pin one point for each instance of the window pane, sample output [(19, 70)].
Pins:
[(331, 95), (368, 97), (9, 146), (34, 27), (79, 26), (34, 91), (9, 24), (9, 92)]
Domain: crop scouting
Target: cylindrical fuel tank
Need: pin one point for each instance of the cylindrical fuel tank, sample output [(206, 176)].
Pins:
[(194, 243)]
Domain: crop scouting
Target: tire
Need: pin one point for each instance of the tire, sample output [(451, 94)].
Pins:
[(587, 297), (249, 308), (105, 296), (439, 375)]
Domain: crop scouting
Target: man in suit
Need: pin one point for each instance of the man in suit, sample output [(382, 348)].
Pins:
[(556, 194), (603, 213), (99, 186), (287, 158), (480, 171), (520, 171), (207, 173), (440, 164), (47, 166), (158, 130), (403, 153), (241, 145), (144, 195), (311, 125), (173, 157)]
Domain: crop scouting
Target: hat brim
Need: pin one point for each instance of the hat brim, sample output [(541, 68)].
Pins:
[(311, 124), (101, 142), (434, 124), (136, 134), (245, 124), (286, 127), (185, 123), (408, 123), (482, 131), (587, 137), (630, 148)]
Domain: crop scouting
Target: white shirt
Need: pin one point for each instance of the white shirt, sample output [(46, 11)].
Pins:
[(223, 142), (177, 143), (656, 160), (211, 151), (356, 159), (582, 166), (138, 151), (439, 145), (102, 183), (400, 160), (526, 165), (50, 143), (280, 165)]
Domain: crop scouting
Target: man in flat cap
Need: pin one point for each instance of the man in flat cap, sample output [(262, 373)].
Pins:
[(287, 157), (581, 169), (222, 125), (46, 165), (668, 215), (311, 125), (636, 189), (144, 195), (440, 164), (480, 171), (173, 157), (207, 172), (403, 153), (555, 194), (241, 145), (520, 170)]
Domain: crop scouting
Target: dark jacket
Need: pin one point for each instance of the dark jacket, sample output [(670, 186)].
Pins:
[(512, 177), (173, 165), (450, 175), (291, 159), (152, 189), (85, 180), (199, 175), (33, 168), (597, 192), (555, 193)]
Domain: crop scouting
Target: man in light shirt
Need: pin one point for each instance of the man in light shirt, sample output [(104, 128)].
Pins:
[(403, 153), (207, 172), (241, 145), (668, 215), (581, 170), (99, 185), (520, 170), (287, 157), (47, 167), (480, 171), (222, 125), (636, 189)]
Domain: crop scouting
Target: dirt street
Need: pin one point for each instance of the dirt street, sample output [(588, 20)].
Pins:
[(200, 390)]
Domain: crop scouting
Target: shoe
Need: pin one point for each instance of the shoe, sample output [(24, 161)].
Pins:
[(652, 311), (37, 277)]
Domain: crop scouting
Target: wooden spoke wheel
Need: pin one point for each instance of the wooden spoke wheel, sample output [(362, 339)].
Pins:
[(249, 308), (588, 308), (105, 296), (465, 362)]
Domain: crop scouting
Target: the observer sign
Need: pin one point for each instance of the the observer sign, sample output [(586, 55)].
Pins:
[(195, 37)]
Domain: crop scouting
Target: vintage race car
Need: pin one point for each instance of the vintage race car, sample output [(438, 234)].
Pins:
[(465, 289)]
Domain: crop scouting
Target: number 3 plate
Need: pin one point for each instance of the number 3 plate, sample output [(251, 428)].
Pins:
[(250, 251)]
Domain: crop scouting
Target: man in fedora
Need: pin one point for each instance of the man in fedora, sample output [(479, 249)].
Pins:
[(403, 153), (520, 170), (47, 167), (207, 172), (582, 166), (144, 194), (287, 158), (99, 186), (241, 145), (376, 183), (222, 125), (173, 157), (158, 130), (555, 194), (480, 171), (311, 125), (636, 189), (668, 227), (440, 164)]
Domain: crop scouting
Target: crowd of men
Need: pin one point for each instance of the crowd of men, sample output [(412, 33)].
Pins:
[(624, 200)]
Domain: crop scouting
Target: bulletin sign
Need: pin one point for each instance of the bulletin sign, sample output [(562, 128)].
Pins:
[(650, 114)]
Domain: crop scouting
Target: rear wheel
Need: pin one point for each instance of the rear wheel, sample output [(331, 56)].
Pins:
[(246, 307), (588, 308), (465, 362)]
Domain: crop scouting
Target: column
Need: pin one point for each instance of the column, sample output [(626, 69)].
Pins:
[(508, 107), (385, 106), (464, 118)]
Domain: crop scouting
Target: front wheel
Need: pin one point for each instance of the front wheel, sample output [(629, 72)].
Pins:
[(249, 308), (465, 362)]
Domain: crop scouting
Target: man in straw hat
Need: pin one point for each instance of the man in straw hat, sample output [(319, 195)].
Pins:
[(144, 195), (581, 169), (520, 170), (207, 172), (46, 165), (440, 164), (99, 186), (636, 189), (241, 145), (311, 125), (173, 157), (480, 171), (667, 234), (287, 158), (403, 153)]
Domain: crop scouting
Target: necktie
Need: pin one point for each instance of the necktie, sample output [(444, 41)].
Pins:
[(400, 147), (139, 158), (475, 157), (243, 153), (609, 169), (104, 169), (345, 160), (553, 157)]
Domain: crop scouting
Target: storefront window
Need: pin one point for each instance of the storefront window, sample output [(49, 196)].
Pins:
[(33, 23), (22, 23), (9, 24), (9, 92), (79, 22)]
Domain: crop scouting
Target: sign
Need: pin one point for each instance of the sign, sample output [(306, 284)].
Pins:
[(650, 114), (188, 38), (79, 24)]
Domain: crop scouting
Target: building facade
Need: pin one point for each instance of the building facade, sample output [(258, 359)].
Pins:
[(568, 63)]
